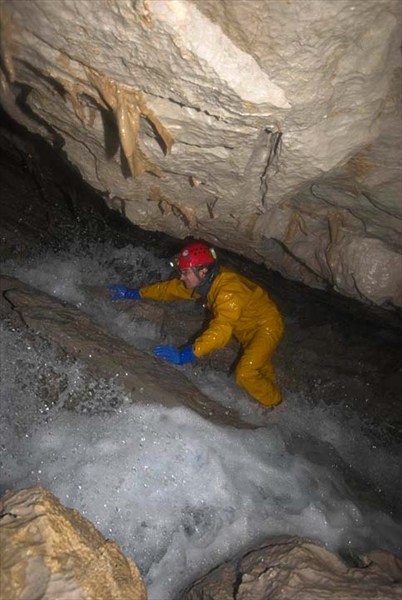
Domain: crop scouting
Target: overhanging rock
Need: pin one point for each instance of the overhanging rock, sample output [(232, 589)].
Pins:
[(271, 129)]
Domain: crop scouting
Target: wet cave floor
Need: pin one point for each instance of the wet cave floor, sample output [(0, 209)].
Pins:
[(334, 351)]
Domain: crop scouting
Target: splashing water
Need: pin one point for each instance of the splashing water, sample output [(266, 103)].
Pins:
[(177, 493)]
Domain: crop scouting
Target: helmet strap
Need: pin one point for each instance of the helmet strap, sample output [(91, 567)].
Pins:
[(203, 287)]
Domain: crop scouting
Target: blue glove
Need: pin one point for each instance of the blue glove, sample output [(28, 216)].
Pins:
[(121, 292), (177, 357)]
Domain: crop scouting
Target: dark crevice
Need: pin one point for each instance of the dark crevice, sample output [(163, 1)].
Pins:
[(237, 583), (21, 101), (275, 147), (111, 135)]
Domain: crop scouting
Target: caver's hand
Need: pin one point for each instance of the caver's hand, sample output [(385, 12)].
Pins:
[(177, 357), (122, 292)]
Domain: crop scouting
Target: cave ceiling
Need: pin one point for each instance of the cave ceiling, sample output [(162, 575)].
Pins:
[(270, 128)]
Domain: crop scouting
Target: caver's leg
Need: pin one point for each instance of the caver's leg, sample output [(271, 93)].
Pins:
[(255, 372)]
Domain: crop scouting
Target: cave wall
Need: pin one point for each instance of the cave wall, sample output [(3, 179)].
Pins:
[(267, 127)]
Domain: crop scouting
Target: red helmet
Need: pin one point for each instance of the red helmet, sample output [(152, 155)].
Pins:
[(195, 255)]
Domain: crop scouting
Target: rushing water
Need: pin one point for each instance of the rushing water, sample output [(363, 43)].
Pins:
[(178, 494)]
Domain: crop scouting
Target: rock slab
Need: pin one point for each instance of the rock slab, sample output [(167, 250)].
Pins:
[(142, 377)]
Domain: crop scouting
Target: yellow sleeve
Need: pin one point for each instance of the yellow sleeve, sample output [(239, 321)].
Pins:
[(226, 309), (173, 289)]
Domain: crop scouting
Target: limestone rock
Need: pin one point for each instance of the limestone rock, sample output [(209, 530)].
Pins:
[(50, 551), (297, 568), (269, 128)]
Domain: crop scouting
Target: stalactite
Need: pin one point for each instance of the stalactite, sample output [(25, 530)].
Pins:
[(128, 106)]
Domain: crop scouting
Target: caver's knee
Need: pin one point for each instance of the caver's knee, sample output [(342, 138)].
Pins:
[(274, 334), (244, 374)]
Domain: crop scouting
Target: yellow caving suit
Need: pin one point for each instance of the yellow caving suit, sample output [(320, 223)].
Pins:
[(241, 308)]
